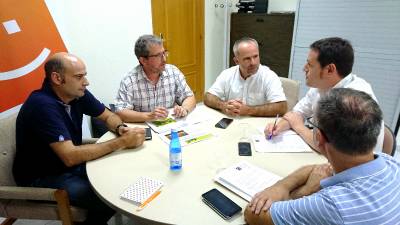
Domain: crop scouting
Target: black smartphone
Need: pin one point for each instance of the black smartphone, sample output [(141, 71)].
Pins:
[(221, 204), (224, 123), (148, 135), (244, 149)]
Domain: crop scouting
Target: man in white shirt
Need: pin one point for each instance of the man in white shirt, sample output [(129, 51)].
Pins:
[(329, 65), (247, 89)]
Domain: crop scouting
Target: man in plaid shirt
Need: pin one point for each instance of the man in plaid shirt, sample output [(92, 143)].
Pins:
[(153, 86)]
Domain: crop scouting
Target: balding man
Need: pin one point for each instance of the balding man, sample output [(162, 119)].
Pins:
[(247, 89), (49, 136), (358, 187)]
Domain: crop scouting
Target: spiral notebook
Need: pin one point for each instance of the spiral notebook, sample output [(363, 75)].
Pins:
[(141, 190)]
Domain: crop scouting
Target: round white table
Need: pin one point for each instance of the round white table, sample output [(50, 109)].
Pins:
[(180, 199)]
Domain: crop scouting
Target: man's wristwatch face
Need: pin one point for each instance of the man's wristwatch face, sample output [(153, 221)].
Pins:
[(119, 126)]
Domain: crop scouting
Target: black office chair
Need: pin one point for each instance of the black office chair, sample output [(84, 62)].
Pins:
[(389, 142)]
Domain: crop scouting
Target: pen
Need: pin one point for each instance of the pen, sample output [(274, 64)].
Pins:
[(273, 128), (153, 196)]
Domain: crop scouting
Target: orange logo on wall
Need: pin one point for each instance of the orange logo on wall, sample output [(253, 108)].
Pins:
[(28, 36)]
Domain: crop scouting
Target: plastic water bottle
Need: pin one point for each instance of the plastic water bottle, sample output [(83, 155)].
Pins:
[(175, 152)]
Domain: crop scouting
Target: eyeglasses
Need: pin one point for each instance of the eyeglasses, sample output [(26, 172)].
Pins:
[(309, 121), (159, 55)]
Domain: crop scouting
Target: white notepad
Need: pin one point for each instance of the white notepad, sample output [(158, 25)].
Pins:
[(141, 190), (246, 180), (286, 141)]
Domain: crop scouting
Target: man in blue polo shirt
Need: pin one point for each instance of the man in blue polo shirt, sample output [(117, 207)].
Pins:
[(358, 187), (49, 145)]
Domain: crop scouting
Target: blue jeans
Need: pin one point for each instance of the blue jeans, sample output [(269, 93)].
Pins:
[(77, 184)]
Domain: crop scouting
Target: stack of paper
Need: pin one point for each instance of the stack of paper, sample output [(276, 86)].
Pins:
[(246, 180), (141, 190)]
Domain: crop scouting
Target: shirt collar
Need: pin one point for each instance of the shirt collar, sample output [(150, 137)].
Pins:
[(143, 75), (363, 170), (342, 83), (248, 78), (345, 81), (46, 88)]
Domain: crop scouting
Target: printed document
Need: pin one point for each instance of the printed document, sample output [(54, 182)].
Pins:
[(188, 135), (246, 180), (165, 125)]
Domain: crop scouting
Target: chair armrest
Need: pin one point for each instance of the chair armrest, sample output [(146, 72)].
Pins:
[(41, 194), (27, 193), (86, 141)]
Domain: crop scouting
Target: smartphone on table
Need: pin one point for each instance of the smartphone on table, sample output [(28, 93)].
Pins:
[(224, 123), (221, 204), (244, 148), (148, 135)]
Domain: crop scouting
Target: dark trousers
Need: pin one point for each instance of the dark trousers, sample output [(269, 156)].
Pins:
[(77, 184)]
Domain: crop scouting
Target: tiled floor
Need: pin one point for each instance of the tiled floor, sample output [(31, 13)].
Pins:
[(116, 220)]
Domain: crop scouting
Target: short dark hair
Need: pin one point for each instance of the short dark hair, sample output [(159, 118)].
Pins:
[(337, 51), (55, 64), (235, 48), (350, 119), (143, 43)]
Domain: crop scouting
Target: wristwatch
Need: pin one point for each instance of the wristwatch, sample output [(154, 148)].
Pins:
[(117, 129)]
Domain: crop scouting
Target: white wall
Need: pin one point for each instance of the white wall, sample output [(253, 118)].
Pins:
[(103, 34), (215, 45), (282, 5)]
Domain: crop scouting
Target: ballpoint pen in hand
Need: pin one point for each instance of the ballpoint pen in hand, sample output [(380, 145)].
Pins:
[(153, 196), (273, 128)]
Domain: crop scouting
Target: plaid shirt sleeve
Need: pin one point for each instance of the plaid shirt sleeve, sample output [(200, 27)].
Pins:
[(124, 97), (182, 88)]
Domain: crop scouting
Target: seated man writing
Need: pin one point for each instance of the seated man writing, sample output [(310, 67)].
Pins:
[(362, 187), (247, 89), (153, 86), (49, 149), (329, 65)]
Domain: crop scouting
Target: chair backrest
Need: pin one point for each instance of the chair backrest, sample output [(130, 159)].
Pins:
[(389, 142), (291, 89), (7, 149)]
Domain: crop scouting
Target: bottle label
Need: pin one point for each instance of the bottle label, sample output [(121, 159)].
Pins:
[(175, 159)]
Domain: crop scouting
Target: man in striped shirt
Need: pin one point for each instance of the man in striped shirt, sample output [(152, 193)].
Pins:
[(362, 187), (153, 86)]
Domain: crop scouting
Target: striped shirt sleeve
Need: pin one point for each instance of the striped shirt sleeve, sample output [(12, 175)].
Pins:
[(313, 209)]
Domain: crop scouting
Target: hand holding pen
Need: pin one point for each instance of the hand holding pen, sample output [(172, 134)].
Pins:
[(273, 128)]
